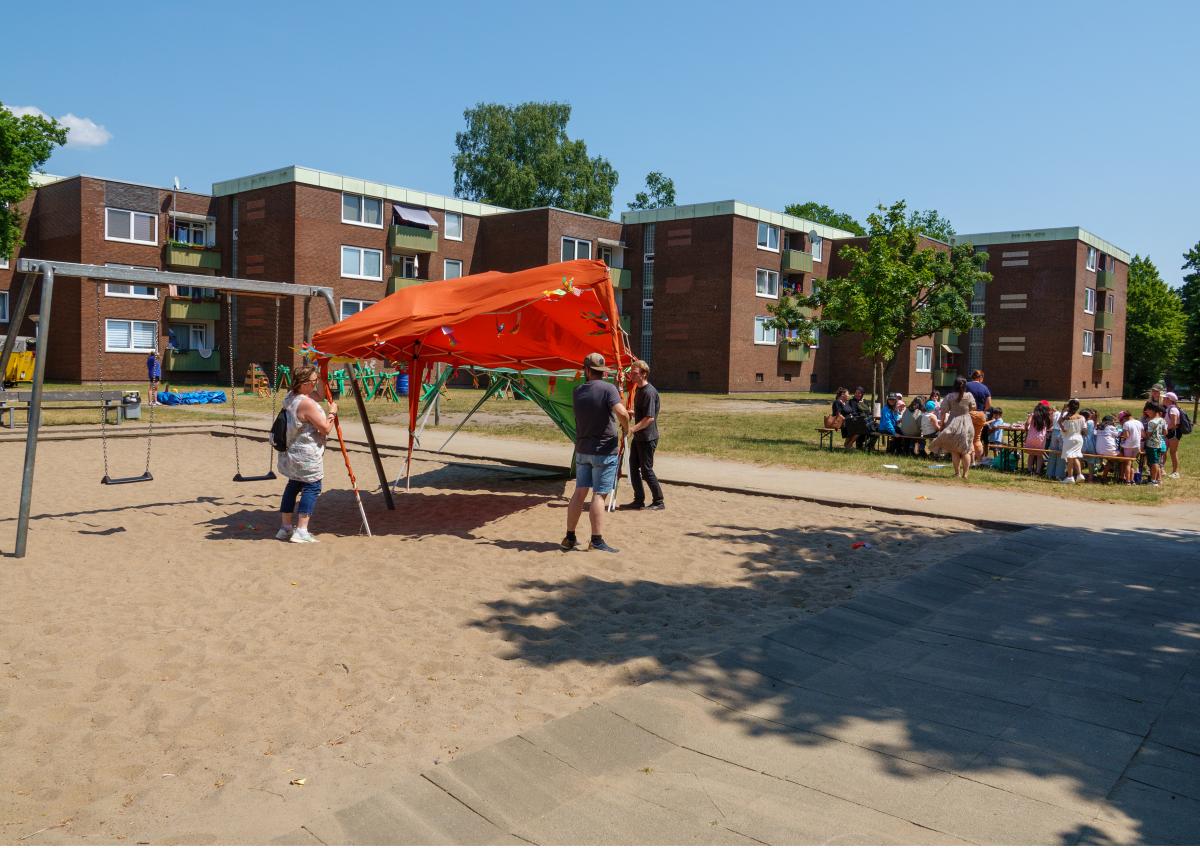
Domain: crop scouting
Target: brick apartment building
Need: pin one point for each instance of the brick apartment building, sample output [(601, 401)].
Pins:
[(1054, 314), (693, 282)]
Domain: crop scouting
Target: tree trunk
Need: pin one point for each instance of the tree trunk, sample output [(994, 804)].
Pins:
[(888, 370)]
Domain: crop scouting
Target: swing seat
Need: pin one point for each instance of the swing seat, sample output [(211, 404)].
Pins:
[(253, 478), (145, 476)]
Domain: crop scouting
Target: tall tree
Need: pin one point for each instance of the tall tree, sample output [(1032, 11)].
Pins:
[(928, 222), (1154, 327), (893, 292), (25, 145), (660, 192), (1189, 361), (520, 157), (827, 215)]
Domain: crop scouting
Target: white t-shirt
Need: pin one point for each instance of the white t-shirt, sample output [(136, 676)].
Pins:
[(1172, 417), (1106, 440), (929, 422), (1133, 434)]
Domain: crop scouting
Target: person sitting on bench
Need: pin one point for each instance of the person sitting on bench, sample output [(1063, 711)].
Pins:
[(889, 423)]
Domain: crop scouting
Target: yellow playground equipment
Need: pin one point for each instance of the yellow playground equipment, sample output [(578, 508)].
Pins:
[(20, 368)]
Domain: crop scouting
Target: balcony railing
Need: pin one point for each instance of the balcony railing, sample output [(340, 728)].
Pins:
[(193, 256), (396, 282), (789, 352), (1105, 320), (413, 238), (797, 262), (1101, 361), (191, 360), (186, 310), (1104, 280), (945, 376), (621, 278)]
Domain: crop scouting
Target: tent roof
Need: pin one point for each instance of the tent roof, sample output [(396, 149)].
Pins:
[(548, 318)]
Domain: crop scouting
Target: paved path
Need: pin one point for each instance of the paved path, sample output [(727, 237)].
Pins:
[(1044, 690)]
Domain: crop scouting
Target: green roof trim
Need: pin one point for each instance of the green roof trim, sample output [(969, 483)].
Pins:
[(1051, 234), (325, 179), (733, 207)]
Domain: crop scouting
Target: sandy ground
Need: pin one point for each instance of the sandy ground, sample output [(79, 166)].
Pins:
[(171, 673)]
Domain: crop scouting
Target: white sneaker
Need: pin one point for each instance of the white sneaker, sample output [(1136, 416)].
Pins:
[(284, 534), (302, 537), (1068, 479), (1174, 475)]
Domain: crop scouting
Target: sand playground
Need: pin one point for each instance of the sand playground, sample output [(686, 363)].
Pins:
[(169, 672)]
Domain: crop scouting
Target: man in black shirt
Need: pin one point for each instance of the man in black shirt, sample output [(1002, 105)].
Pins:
[(596, 445), (645, 439)]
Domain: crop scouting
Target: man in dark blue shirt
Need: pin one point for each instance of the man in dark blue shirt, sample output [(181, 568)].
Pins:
[(981, 393), (153, 375), (596, 449)]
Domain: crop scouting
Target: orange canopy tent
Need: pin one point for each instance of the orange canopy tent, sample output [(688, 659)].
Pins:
[(546, 319)]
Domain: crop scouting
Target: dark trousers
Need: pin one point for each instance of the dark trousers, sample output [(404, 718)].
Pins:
[(641, 464)]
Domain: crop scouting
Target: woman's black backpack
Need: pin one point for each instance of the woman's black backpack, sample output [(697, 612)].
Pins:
[(279, 432), (1185, 423)]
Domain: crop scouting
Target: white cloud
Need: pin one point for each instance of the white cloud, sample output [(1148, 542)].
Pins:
[(81, 132)]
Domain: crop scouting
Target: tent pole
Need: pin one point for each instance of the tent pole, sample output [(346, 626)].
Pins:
[(491, 390), (35, 406), (366, 422)]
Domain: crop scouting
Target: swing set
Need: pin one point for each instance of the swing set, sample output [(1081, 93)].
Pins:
[(49, 271)]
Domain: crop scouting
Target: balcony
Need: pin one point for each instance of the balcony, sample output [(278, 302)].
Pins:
[(187, 310), (191, 360), (1101, 361), (396, 282), (1105, 321), (621, 278), (180, 255), (793, 352), (945, 376), (1105, 280), (415, 239), (797, 262)]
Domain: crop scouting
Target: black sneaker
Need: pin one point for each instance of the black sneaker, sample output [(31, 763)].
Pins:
[(635, 505), (603, 546), (568, 544), (657, 505)]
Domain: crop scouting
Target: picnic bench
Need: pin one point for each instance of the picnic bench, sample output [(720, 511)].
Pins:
[(14, 402), (1022, 452)]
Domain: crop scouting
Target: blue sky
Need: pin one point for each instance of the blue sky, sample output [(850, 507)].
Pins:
[(1001, 116)]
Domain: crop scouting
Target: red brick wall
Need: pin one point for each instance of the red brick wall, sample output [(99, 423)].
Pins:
[(55, 228), (515, 240), (10, 280)]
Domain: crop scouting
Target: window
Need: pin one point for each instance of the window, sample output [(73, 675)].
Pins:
[(3, 263), (758, 377), (768, 237), (410, 266), (454, 226), (763, 335), (352, 307), (1112, 303), (924, 360), (130, 290), (135, 227), (817, 246), (573, 248), (122, 336), (191, 232), (1087, 342), (606, 256), (451, 269), (361, 263), (767, 283), (1108, 342), (197, 337), (816, 337), (1089, 301), (3, 307), (364, 211), (1091, 259), (195, 293)]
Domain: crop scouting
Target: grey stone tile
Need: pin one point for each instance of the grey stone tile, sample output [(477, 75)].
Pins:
[(1161, 817), (988, 815), (950, 672), (1075, 740), (299, 836), (1032, 772), (1106, 709), (1166, 768), (596, 741), (790, 658), (1179, 724), (887, 608)]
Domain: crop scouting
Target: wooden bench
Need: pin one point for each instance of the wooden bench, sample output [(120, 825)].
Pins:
[(14, 402), (997, 447), (825, 434)]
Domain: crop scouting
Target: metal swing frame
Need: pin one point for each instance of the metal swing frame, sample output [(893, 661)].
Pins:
[(51, 270)]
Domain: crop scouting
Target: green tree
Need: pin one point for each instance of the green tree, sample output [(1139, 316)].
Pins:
[(660, 192), (893, 292), (1189, 362), (827, 215), (25, 145), (520, 157), (929, 223), (1154, 327)]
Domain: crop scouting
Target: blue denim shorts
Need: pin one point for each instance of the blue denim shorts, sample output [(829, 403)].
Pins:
[(596, 471)]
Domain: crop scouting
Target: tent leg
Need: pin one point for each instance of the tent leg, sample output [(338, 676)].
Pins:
[(366, 422), (35, 409), (492, 389)]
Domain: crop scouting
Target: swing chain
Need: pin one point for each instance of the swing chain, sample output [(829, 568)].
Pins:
[(100, 367), (237, 458)]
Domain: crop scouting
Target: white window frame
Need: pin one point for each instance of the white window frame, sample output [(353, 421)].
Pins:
[(763, 237), (816, 248), (447, 235), (1091, 258), (576, 241), (1089, 342), (361, 263), (758, 323), (3, 263), (1089, 301), (446, 263), (3, 307), (816, 336), (928, 351), (192, 227), (108, 348), (108, 291), (192, 329), (416, 266), (1111, 304), (770, 275), (1108, 342), (362, 210), (131, 213), (362, 304)]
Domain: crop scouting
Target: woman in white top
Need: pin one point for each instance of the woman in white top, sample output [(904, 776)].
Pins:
[(303, 463), (1173, 414), (1072, 425)]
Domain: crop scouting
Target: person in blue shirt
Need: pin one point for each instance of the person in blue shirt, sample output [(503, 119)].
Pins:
[(153, 374), (889, 422)]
